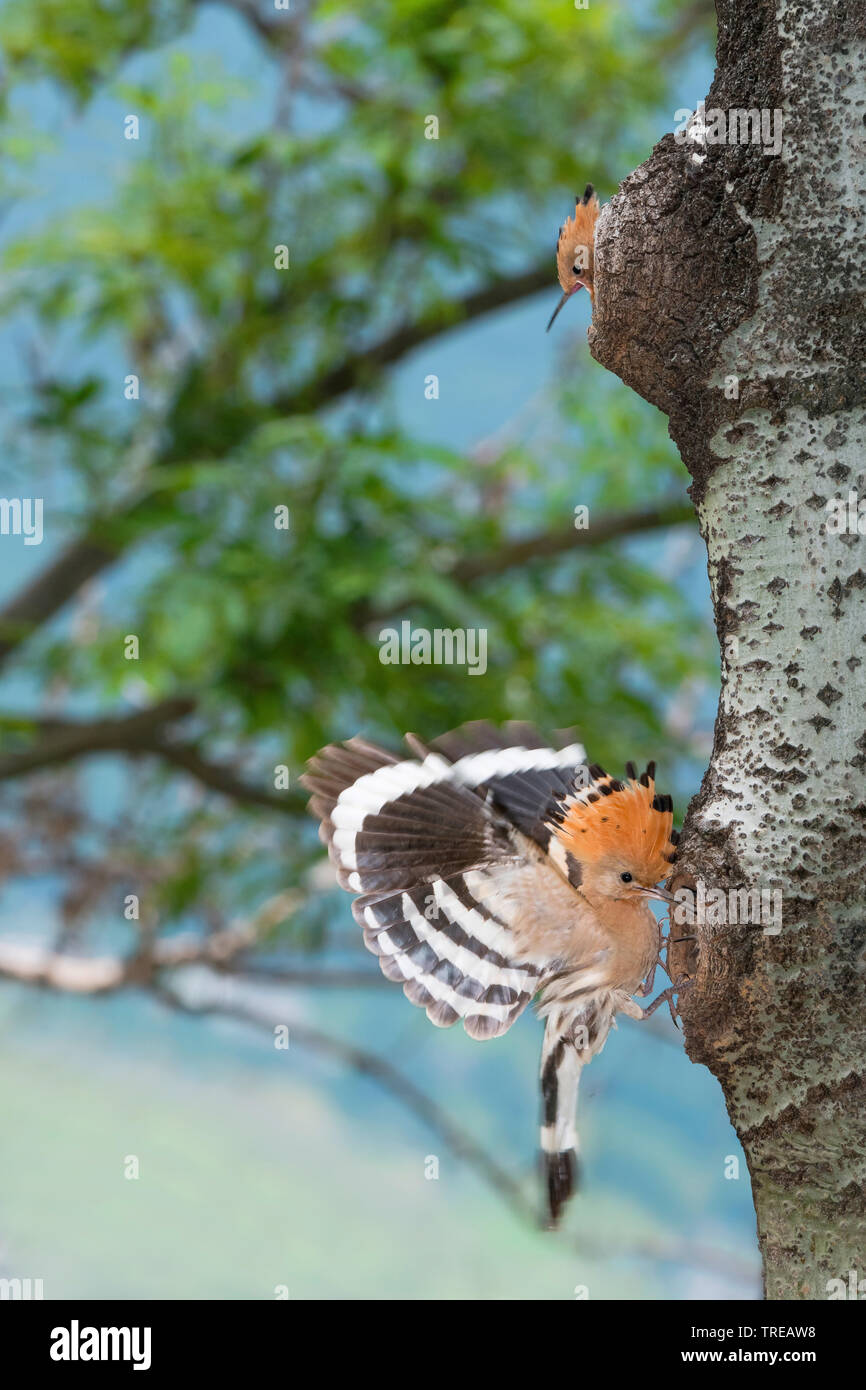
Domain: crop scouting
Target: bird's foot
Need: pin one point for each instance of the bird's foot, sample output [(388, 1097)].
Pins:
[(667, 997)]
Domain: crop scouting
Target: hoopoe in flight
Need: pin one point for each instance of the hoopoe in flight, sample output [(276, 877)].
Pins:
[(493, 870), (575, 250)]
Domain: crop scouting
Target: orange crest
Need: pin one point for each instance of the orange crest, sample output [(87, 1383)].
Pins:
[(627, 820), (576, 244)]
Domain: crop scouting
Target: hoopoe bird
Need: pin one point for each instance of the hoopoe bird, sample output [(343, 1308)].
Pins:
[(575, 250), (493, 870)]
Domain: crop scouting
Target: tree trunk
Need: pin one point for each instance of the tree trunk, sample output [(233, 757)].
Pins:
[(729, 287)]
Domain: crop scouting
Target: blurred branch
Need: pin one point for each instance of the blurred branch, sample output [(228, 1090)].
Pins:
[(360, 368), (60, 970), (459, 1141), (557, 541), (65, 739), (287, 39), (329, 978), (51, 589), (380, 1070), (219, 778), (274, 31), (34, 965), (72, 974), (142, 733), (145, 731), (92, 552), (564, 539)]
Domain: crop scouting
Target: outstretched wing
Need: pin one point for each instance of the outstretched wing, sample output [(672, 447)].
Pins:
[(521, 773), (456, 898)]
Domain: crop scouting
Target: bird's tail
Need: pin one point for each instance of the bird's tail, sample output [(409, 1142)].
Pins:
[(561, 1065), (570, 1042)]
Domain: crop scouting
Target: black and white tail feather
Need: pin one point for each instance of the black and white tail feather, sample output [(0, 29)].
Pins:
[(449, 854), (572, 1037)]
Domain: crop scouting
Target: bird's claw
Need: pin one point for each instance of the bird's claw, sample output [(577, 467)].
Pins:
[(667, 997)]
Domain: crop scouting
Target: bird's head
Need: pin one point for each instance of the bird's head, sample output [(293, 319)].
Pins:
[(575, 250), (615, 839)]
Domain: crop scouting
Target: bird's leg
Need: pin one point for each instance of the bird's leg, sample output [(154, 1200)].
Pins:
[(667, 997), (646, 988), (660, 961)]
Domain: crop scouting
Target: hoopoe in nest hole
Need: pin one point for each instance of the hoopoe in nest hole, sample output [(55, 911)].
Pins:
[(493, 870), (575, 250)]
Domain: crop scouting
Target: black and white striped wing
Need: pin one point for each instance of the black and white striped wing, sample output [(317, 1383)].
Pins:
[(435, 848), (524, 777)]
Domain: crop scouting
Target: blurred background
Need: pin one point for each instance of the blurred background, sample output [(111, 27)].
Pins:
[(250, 462)]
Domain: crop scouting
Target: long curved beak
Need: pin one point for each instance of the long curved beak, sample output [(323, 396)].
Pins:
[(564, 300), (661, 893)]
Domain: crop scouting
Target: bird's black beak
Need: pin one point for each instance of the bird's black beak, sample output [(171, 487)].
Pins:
[(568, 293), (564, 300), (661, 894)]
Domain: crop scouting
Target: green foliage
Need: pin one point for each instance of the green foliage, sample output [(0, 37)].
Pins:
[(262, 388)]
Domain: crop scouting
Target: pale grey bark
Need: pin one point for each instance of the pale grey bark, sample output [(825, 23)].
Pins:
[(742, 265)]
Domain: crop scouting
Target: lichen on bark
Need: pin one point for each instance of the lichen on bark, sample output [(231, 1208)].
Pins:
[(729, 292)]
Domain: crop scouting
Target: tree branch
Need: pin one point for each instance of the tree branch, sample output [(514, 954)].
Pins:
[(33, 965), (145, 733), (51, 589), (556, 542), (139, 734), (380, 1070), (329, 978), (560, 540), (90, 553), (219, 778), (66, 739), (458, 1141)]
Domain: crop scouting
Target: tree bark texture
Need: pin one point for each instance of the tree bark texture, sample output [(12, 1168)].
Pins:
[(729, 292)]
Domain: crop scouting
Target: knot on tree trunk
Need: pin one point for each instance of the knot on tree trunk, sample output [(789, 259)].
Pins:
[(675, 271)]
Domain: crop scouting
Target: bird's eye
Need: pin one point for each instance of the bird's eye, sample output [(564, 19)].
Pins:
[(626, 878)]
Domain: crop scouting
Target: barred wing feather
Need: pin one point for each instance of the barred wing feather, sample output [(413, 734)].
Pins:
[(440, 850)]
